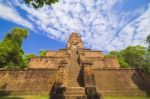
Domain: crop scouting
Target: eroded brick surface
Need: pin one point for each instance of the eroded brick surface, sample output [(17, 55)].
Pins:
[(75, 73), (29, 81), (53, 58)]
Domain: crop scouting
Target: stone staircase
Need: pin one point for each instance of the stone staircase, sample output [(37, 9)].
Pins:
[(74, 81), (75, 89), (74, 77)]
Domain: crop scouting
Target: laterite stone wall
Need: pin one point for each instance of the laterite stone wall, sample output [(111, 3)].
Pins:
[(30, 81), (123, 82)]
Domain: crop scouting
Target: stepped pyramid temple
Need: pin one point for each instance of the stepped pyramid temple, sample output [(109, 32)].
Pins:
[(75, 73)]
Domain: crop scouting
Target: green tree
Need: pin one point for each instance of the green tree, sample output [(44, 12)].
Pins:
[(115, 54), (39, 3), (148, 41), (134, 56), (43, 52), (147, 56), (27, 58), (11, 53)]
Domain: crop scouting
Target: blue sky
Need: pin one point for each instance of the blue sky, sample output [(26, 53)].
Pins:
[(103, 24)]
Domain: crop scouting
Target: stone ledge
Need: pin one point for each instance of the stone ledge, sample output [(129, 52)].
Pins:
[(98, 68), (28, 69)]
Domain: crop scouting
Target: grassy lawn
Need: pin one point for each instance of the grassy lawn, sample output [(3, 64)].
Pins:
[(121, 97), (25, 97)]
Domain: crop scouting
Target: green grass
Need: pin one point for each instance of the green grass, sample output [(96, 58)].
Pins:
[(25, 97), (123, 97)]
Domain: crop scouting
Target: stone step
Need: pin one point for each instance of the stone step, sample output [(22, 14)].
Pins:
[(75, 97), (73, 84), (74, 81), (73, 71), (75, 89), (71, 80), (78, 84), (74, 78), (73, 74), (80, 81), (74, 93)]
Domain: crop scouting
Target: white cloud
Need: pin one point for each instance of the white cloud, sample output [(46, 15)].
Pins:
[(134, 33), (10, 13), (97, 21)]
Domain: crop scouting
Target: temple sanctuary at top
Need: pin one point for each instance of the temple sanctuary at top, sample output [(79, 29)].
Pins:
[(75, 73), (74, 46)]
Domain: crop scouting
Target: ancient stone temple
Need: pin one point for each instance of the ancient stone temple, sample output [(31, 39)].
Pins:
[(74, 50), (75, 73)]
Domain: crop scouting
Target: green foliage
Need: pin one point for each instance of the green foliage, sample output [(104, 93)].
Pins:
[(11, 53), (148, 41), (39, 3), (112, 54), (115, 54), (134, 56), (28, 57), (123, 63), (43, 52), (147, 56)]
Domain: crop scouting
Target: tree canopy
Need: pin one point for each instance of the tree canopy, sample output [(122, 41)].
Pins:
[(115, 54), (39, 3), (132, 56), (27, 58), (147, 57), (148, 41), (43, 52), (11, 52)]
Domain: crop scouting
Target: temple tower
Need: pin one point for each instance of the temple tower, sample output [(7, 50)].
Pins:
[(74, 41)]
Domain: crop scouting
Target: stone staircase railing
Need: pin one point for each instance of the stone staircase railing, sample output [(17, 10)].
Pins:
[(89, 82)]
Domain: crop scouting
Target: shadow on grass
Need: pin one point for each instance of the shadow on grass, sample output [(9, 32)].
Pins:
[(5, 95)]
